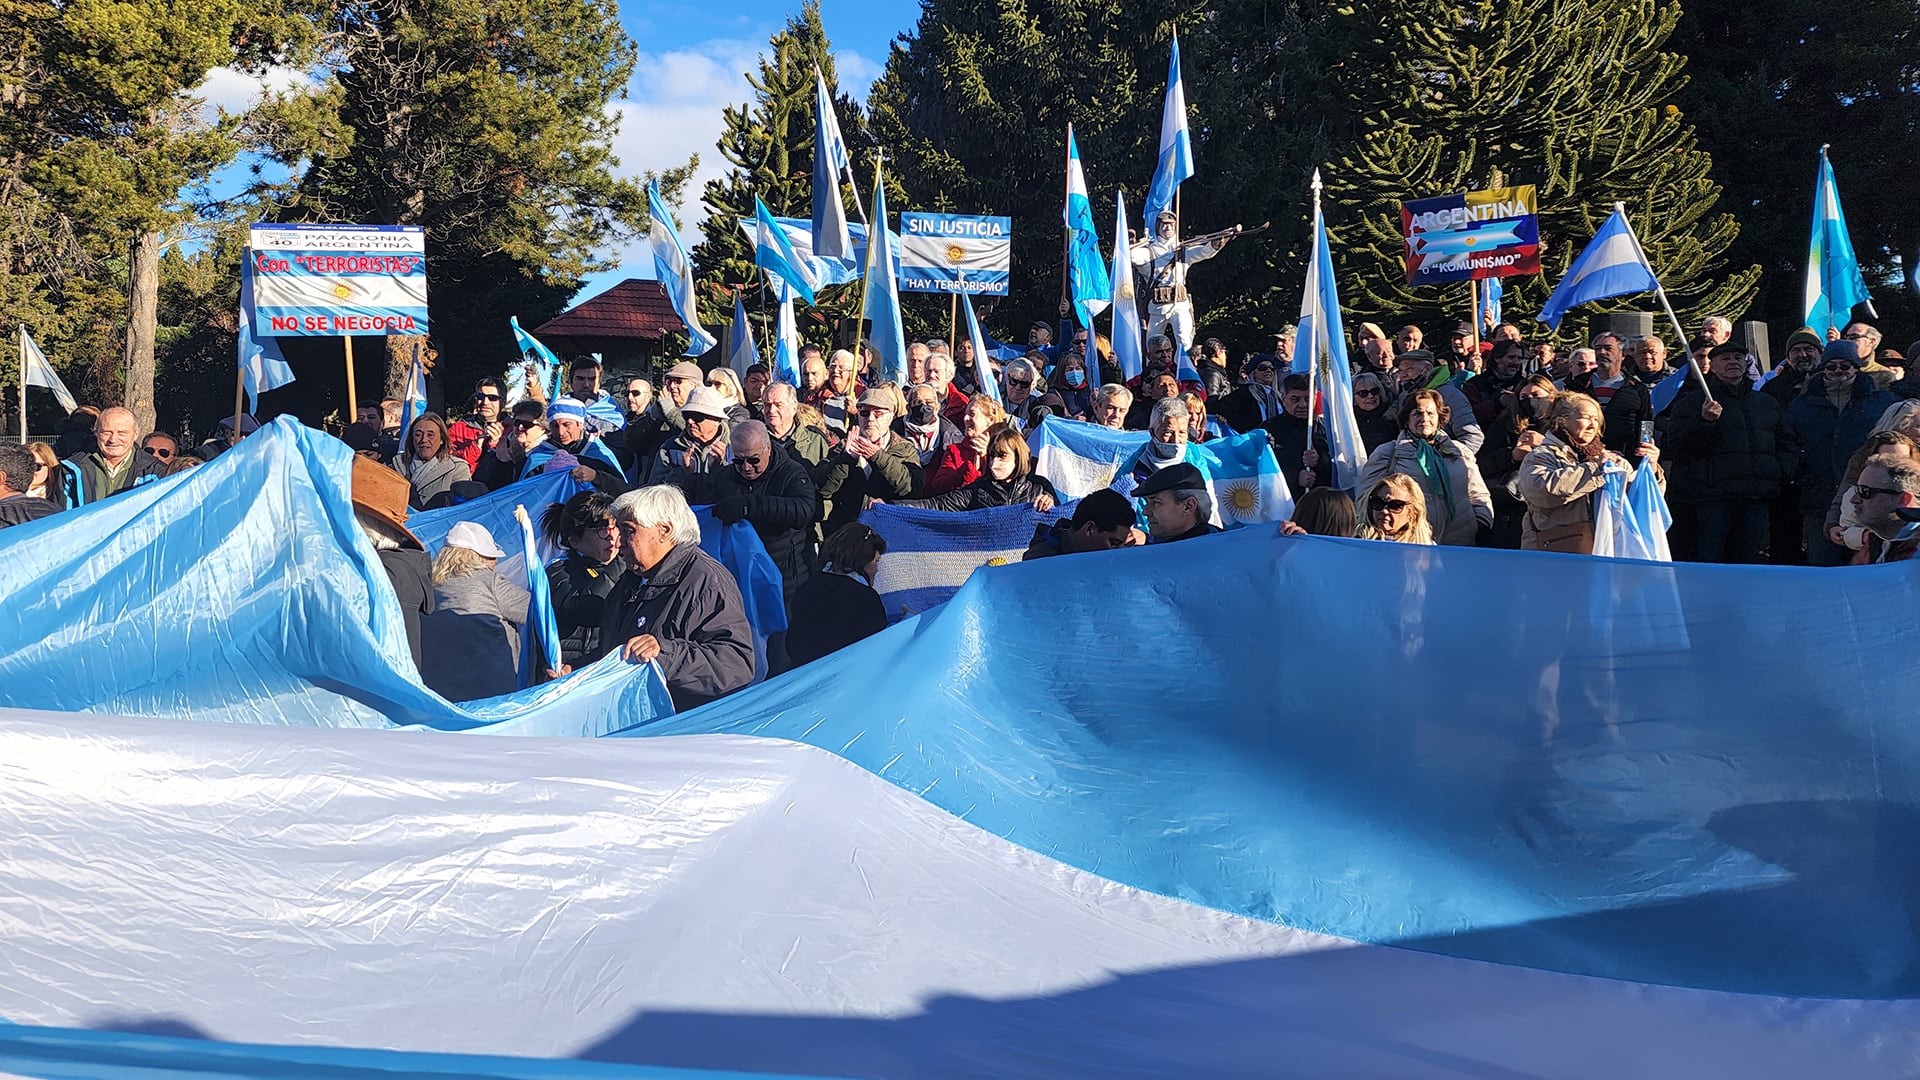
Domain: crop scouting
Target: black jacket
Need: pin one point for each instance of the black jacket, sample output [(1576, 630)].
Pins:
[(1202, 529), (1787, 385), (1622, 414), (1240, 410), (831, 612), (780, 504), (986, 492), (692, 606), (1379, 427), (1746, 454), (579, 593), (411, 573), (944, 435), (20, 509), (90, 484), (1288, 433)]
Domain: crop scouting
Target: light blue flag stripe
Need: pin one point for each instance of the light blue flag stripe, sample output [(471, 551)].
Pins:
[(828, 229), (1129, 353), (773, 253), (1086, 270), (883, 294), (742, 354), (262, 365), (1834, 283), (1175, 160), (1610, 265), (988, 384), (786, 345), (674, 269)]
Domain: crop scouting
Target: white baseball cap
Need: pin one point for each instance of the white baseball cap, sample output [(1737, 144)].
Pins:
[(468, 535)]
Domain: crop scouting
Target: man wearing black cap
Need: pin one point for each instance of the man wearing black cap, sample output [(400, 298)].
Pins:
[(1730, 456), (1179, 507), (1461, 355)]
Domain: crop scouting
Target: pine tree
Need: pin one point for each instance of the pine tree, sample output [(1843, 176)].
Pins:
[(487, 123), (769, 143), (1769, 83), (1572, 96)]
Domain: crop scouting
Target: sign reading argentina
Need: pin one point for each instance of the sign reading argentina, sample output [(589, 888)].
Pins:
[(955, 253), (1480, 234), (332, 280)]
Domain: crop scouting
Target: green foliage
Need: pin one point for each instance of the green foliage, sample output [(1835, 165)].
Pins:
[(1769, 83), (769, 143), (488, 123), (1572, 96)]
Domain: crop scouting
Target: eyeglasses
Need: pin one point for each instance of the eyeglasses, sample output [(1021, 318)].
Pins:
[(486, 397), (1839, 369), (1258, 368), (1858, 337), (1866, 492), (527, 425), (636, 393), (1388, 505)]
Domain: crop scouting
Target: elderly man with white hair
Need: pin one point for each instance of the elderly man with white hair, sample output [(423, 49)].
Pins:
[(118, 465), (675, 605), (953, 401)]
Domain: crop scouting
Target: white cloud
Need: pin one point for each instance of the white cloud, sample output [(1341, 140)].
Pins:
[(228, 90), (856, 74)]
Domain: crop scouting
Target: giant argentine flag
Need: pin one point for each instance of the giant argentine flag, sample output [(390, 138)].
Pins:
[(1086, 271), (1834, 283), (1610, 265), (1175, 161), (674, 269), (931, 553)]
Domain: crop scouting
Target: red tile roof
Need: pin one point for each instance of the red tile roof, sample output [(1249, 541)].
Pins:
[(635, 308)]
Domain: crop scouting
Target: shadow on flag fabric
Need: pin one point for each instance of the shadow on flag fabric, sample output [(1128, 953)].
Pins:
[(1245, 479), (775, 254), (1610, 265), (36, 371), (1175, 161), (825, 270), (786, 345), (1834, 283), (829, 225), (1086, 270), (674, 269), (1079, 458), (741, 353), (989, 385), (931, 553), (882, 302), (262, 367), (1320, 350), (1129, 348), (1667, 389)]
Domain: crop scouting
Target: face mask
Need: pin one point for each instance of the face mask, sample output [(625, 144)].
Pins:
[(1166, 449), (921, 415), (1534, 408), (1076, 379)]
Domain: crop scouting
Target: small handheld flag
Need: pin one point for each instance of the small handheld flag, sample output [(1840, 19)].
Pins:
[(742, 354), (1320, 350), (674, 268), (1086, 271), (542, 632), (36, 371), (786, 345)]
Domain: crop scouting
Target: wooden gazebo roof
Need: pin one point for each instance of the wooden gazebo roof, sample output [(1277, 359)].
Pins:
[(635, 310)]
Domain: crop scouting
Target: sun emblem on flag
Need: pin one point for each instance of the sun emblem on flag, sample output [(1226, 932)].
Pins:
[(342, 291), (1240, 499), (955, 253), (997, 560)]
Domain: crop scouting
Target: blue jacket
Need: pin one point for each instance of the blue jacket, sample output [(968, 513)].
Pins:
[(1829, 436)]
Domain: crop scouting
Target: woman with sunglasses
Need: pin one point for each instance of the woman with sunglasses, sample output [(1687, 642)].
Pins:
[(1395, 509), (1560, 477), (580, 581), (1373, 410), (1457, 501)]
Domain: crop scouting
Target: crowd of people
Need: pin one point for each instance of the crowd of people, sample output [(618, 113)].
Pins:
[(1502, 443)]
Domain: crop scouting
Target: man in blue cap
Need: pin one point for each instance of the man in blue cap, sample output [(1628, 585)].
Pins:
[(1178, 504)]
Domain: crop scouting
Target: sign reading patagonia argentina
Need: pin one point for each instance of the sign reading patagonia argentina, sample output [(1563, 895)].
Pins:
[(954, 253), (1480, 234), (332, 280)]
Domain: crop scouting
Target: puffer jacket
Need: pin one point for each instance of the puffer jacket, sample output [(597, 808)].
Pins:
[(780, 504), (667, 466), (1829, 436), (1558, 488), (470, 643), (579, 592), (1472, 505), (84, 480), (985, 492), (1748, 453)]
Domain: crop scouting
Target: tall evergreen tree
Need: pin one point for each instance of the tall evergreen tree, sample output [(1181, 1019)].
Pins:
[(1572, 96), (1769, 83), (487, 123), (769, 143)]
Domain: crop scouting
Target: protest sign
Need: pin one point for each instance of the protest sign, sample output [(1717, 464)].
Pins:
[(334, 280), (955, 253), (1479, 234)]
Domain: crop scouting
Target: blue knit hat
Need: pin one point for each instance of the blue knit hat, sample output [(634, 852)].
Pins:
[(1841, 350), (567, 409)]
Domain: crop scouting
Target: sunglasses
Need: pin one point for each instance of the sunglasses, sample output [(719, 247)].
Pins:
[(636, 393), (527, 425), (746, 459), (1021, 383), (486, 397), (1391, 505), (1866, 492), (1372, 391), (1257, 368), (159, 452), (1839, 369)]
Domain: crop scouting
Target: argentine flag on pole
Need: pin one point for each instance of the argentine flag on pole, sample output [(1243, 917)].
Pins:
[(1320, 350), (414, 400), (829, 231), (1834, 284), (988, 384), (1086, 270), (262, 366), (786, 345), (1176, 145), (1491, 290), (675, 270), (36, 371), (540, 640), (741, 353), (772, 253), (1129, 355), (882, 302), (1610, 265)]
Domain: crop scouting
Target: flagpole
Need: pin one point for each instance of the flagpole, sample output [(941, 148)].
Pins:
[(1666, 305), (1319, 317), (240, 397), (1066, 246), (866, 286), (23, 388)]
